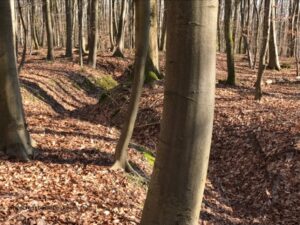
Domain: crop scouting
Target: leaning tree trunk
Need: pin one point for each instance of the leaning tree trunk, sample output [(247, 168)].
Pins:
[(264, 48), (14, 138), (69, 28), (229, 43), (142, 39), (273, 50), (93, 36), (178, 180), (49, 29)]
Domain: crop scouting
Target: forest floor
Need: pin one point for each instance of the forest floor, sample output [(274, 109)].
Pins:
[(75, 116)]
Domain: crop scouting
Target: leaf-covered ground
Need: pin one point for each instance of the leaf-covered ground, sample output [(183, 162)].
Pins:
[(75, 116)]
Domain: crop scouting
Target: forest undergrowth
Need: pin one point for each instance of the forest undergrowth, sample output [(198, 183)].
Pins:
[(74, 114)]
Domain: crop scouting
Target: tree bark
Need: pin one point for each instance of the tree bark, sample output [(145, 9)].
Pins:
[(142, 40), (69, 27), (229, 43), (162, 43), (49, 29), (33, 26), (178, 180), (264, 48), (119, 44), (93, 36), (14, 138), (25, 37), (80, 36), (152, 72), (273, 50)]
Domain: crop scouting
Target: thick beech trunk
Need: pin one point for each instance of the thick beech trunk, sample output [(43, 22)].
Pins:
[(178, 180), (14, 138)]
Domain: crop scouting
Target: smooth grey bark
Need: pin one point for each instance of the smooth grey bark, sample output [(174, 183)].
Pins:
[(69, 27), (49, 29), (264, 48), (178, 180), (14, 138), (142, 40), (273, 50), (93, 29)]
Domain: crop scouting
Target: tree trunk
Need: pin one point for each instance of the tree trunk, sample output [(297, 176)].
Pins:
[(162, 42), (33, 26), (15, 139), (178, 180), (247, 37), (49, 29), (69, 27), (93, 36), (264, 48), (273, 50), (25, 37), (229, 43), (142, 40), (80, 36), (119, 45), (152, 66)]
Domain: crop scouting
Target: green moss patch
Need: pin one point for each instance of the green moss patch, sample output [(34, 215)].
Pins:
[(106, 82)]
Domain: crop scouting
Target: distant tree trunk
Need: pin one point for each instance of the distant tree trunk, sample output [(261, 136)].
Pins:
[(291, 27), (142, 40), (297, 40), (229, 43), (179, 175), (80, 36), (152, 66), (49, 29), (33, 26), (69, 27), (111, 25), (273, 50), (25, 37), (93, 36), (119, 44), (264, 48), (219, 29), (247, 37), (15, 139), (162, 43)]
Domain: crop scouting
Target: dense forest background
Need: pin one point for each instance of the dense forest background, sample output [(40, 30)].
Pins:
[(95, 111)]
